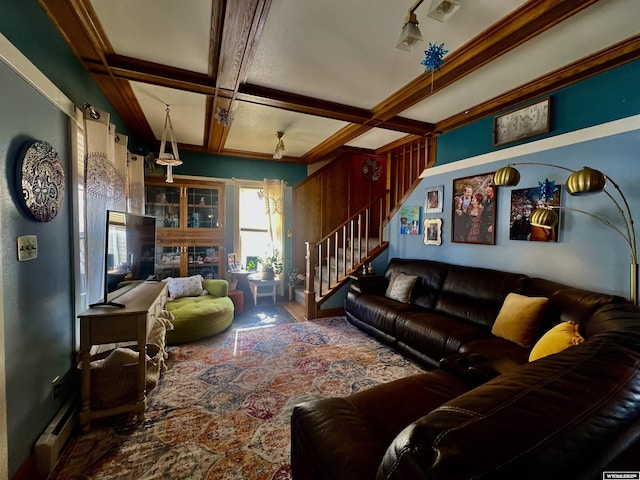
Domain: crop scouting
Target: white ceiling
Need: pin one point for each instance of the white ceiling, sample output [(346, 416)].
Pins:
[(341, 51)]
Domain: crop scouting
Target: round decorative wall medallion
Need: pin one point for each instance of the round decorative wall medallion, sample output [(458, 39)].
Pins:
[(40, 177), (371, 169)]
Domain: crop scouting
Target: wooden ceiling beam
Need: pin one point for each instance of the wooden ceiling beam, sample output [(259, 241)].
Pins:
[(521, 25)]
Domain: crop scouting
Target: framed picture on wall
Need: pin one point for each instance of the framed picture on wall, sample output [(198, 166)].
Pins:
[(433, 231), (409, 220), (523, 202), (474, 210), (433, 199), (525, 122)]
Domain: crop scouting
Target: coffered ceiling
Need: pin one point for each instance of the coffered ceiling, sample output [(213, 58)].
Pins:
[(326, 72)]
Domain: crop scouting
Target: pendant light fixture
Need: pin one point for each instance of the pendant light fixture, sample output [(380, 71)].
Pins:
[(165, 158), (280, 150), (410, 35)]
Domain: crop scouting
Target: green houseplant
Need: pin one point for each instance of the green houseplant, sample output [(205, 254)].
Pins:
[(271, 265)]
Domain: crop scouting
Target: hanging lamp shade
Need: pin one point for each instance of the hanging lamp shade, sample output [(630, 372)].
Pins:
[(165, 158), (544, 217), (506, 176), (586, 181), (410, 35), (280, 150)]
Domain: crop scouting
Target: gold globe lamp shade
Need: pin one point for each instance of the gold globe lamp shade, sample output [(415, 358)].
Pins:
[(506, 177), (544, 217), (586, 181)]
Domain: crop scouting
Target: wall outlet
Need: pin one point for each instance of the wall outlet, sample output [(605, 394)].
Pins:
[(27, 247)]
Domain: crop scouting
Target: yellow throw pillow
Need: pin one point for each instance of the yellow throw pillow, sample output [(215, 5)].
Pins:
[(519, 318), (563, 335)]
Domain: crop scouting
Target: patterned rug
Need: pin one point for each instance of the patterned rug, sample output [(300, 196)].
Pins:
[(221, 410)]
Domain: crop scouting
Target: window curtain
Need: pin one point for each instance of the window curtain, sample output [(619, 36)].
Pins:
[(105, 188), (274, 209), (135, 184)]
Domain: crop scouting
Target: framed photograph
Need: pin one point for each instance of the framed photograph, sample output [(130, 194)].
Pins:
[(474, 210), (525, 122), (231, 262), (433, 199), (433, 231), (409, 221), (523, 202)]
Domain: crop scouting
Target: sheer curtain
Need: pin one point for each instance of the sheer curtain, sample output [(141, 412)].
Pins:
[(274, 209), (105, 188)]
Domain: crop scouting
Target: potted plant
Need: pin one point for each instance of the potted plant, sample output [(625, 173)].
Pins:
[(271, 265)]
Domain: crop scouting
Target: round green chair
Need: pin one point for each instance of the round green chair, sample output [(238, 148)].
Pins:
[(198, 317)]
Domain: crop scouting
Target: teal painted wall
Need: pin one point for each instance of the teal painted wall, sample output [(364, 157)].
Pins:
[(38, 312), (609, 96), (588, 254), (233, 167)]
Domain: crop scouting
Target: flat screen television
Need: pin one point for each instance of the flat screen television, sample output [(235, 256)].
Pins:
[(130, 244)]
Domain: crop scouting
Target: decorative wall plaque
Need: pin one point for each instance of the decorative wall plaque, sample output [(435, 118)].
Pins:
[(371, 169), (40, 179)]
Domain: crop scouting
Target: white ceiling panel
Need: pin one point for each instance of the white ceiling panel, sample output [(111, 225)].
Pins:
[(187, 111), (255, 127), (168, 32)]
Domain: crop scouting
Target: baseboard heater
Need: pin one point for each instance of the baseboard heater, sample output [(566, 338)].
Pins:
[(50, 444)]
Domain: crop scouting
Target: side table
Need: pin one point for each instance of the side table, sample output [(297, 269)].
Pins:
[(264, 288)]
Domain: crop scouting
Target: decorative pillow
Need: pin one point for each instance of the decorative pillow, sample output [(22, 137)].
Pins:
[(185, 287), (400, 287), (519, 318), (563, 335)]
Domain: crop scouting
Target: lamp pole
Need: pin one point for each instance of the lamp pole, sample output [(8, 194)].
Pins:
[(582, 182)]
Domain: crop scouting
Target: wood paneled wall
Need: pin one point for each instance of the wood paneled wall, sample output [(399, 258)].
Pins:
[(329, 197)]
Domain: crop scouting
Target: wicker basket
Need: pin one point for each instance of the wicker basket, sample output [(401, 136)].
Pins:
[(118, 384)]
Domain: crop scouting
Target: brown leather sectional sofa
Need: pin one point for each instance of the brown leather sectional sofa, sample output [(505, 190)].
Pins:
[(483, 411)]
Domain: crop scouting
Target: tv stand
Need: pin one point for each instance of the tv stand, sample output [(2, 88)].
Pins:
[(101, 325), (107, 304)]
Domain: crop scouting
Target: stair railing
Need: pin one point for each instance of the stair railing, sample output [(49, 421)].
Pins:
[(343, 251)]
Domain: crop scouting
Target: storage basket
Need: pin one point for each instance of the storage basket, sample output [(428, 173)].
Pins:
[(116, 385)]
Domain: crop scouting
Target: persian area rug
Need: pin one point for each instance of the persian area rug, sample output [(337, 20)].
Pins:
[(222, 408)]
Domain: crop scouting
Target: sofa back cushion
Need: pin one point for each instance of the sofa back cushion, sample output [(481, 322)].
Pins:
[(567, 304), (430, 275), (476, 294)]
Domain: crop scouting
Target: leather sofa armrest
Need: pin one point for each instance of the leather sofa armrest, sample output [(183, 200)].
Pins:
[(370, 284), (352, 452)]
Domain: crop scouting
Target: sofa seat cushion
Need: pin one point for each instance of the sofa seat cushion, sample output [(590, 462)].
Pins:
[(378, 311), (495, 348), (552, 424), (436, 335), (198, 317), (362, 424)]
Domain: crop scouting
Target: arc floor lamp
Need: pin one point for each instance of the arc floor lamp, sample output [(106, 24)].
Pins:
[(583, 182)]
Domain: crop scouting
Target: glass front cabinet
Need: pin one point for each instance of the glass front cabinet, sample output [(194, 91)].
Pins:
[(190, 234)]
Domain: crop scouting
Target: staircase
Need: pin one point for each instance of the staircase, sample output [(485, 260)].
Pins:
[(360, 238)]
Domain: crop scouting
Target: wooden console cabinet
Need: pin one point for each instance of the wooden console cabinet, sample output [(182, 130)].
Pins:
[(103, 324)]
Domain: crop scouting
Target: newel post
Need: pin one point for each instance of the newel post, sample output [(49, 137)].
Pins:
[(309, 289)]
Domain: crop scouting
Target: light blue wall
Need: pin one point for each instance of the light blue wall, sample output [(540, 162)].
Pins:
[(588, 254), (38, 313)]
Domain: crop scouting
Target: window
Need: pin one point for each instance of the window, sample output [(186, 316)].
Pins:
[(254, 229)]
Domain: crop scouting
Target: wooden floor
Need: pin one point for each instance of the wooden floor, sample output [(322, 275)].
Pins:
[(295, 309)]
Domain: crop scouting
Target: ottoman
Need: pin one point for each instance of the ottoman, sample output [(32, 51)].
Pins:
[(237, 297)]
